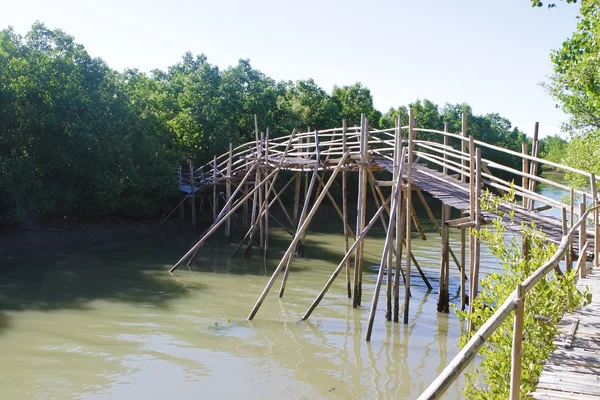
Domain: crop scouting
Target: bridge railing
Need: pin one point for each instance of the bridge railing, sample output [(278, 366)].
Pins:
[(513, 303)]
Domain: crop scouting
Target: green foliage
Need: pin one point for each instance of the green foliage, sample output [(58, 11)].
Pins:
[(537, 3), (544, 305), (79, 139), (553, 148), (574, 84)]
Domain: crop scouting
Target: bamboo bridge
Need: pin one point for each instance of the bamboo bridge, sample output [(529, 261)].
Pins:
[(409, 162)]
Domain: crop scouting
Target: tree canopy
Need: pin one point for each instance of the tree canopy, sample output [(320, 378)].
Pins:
[(81, 140)]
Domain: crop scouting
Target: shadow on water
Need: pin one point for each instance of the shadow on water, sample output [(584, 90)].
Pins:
[(133, 273)]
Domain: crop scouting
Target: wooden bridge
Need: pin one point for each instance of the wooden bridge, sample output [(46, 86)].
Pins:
[(394, 163)]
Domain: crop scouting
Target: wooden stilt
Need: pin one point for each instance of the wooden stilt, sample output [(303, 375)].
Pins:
[(408, 212), (463, 263), (192, 196), (295, 240), (261, 224), (345, 214), (359, 238), (397, 178), (245, 210), (297, 197), (228, 194), (214, 182), (525, 169), (303, 216), (361, 210), (268, 191), (443, 304), (254, 225), (384, 257)]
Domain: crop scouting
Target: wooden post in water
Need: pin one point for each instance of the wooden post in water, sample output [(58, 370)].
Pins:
[(463, 233), (443, 304), (193, 195), (215, 200), (517, 345), (394, 224), (472, 206), (408, 212), (525, 168), (534, 165), (303, 216), (261, 224), (297, 197), (384, 257), (361, 209), (267, 191), (345, 213), (296, 238), (228, 194)]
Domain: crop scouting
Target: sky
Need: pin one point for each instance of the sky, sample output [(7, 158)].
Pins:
[(490, 54)]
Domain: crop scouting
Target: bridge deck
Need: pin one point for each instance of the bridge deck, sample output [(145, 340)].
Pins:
[(573, 372), (455, 193)]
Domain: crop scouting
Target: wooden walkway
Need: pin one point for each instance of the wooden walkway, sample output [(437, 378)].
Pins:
[(573, 369)]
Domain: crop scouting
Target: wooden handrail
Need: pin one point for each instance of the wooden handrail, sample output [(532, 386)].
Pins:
[(468, 353)]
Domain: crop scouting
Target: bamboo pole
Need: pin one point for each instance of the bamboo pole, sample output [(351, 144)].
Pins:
[(472, 201), (525, 168), (268, 191), (384, 257), (228, 194), (254, 225), (214, 182), (436, 225), (360, 211), (261, 224), (345, 214), (192, 196), (463, 263), (359, 238), (565, 228), (443, 294), (408, 212), (295, 240), (582, 236), (219, 221), (446, 143), (397, 178), (400, 153), (534, 165), (596, 222), (517, 345), (297, 197)]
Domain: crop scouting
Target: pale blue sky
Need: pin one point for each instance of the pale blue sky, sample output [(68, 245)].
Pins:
[(490, 54)]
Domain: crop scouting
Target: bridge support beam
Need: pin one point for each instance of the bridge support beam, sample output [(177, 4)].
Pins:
[(361, 209)]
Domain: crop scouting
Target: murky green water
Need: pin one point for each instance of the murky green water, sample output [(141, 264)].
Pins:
[(110, 322)]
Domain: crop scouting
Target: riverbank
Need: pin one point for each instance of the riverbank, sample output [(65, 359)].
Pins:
[(44, 237)]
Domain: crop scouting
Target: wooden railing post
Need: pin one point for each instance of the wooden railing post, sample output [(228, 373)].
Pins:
[(193, 195), (408, 212), (534, 165), (517, 347), (463, 233), (596, 227), (525, 168), (582, 237), (228, 193)]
